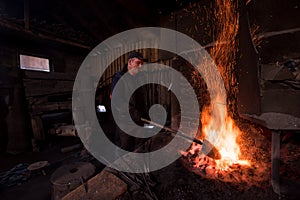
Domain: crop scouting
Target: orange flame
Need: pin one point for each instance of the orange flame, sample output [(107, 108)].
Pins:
[(223, 135)]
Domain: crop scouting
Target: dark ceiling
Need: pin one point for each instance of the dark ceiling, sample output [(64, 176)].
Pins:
[(85, 21)]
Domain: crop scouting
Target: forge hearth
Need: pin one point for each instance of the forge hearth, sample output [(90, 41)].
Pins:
[(182, 180), (254, 149)]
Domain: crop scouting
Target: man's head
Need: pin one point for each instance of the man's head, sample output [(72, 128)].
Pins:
[(135, 62)]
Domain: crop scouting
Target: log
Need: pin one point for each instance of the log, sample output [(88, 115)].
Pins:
[(46, 87), (104, 186), (71, 148)]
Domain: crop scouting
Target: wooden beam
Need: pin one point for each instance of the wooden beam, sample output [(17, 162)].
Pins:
[(36, 75), (102, 19), (87, 21), (46, 87), (15, 27)]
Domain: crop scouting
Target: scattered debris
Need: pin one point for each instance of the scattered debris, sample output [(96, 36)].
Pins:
[(37, 167)]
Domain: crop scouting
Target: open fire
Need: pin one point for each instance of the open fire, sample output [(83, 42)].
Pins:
[(224, 139), (244, 157), (218, 127)]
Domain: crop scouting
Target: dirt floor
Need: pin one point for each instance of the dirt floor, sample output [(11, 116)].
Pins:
[(181, 180), (175, 181)]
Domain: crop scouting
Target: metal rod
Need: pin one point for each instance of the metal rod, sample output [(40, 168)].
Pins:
[(173, 131), (207, 148)]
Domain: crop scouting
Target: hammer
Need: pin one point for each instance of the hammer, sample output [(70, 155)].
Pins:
[(207, 148)]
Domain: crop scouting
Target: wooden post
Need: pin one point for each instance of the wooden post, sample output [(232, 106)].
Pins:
[(26, 14), (18, 128), (175, 108), (275, 161)]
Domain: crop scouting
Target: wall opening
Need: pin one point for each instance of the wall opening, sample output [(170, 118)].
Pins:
[(34, 63)]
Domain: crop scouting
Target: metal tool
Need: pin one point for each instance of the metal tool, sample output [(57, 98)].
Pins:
[(207, 148)]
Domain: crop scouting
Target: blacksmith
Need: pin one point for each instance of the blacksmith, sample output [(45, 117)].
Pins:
[(137, 108)]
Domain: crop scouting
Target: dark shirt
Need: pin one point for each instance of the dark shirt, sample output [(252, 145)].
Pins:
[(137, 102)]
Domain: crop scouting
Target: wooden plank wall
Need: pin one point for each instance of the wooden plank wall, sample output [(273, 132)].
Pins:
[(39, 87), (52, 92)]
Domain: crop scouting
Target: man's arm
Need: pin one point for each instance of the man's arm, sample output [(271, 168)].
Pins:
[(115, 79)]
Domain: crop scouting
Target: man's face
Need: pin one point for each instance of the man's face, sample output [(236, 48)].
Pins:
[(134, 65)]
